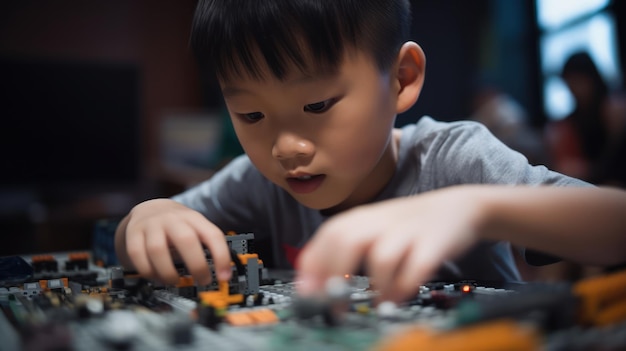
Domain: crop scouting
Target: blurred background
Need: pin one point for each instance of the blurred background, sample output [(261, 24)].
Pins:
[(102, 105)]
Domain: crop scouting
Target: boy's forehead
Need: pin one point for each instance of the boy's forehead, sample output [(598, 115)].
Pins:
[(293, 75), (294, 72), (237, 86)]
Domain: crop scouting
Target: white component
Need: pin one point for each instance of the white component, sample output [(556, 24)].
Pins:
[(386, 309), (337, 287)]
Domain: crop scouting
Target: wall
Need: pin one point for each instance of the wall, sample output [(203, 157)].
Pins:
[(150, 34)]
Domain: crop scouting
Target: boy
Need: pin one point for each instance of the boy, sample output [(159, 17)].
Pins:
[(313, 89)]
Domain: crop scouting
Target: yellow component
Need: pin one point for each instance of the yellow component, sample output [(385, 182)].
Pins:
[(95, 291), (221, 312), (496, 335), (54, 299), (602, 299), (219, 306), (362, 308), (231, 232)]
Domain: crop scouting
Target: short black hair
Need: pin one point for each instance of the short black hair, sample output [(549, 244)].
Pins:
[(226, 34)]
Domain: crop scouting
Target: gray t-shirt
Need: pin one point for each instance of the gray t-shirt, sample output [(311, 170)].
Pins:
[(431, 155)]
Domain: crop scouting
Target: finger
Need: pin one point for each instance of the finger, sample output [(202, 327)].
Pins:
[(419, 266), (332, 252), (186, 242), (215, 241), (160, 257), (136, 250), (308, 278), (384, 260)]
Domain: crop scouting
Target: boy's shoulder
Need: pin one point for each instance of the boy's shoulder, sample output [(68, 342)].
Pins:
[(428, 128)]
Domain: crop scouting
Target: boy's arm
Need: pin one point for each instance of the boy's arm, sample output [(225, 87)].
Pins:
[(586, 225), (403, 241)]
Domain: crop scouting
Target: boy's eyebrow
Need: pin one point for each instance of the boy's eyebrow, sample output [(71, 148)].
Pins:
[(230, 90)]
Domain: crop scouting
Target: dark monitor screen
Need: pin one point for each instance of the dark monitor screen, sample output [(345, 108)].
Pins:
[(68, 123)]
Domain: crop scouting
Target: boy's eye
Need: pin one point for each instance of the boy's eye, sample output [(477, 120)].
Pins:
[(253, 116), (319, 107)]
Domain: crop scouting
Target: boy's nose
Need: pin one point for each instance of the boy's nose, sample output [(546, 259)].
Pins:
[(289, 146)]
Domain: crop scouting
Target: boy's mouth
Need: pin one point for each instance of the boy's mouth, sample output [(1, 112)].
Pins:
[(306, 183)]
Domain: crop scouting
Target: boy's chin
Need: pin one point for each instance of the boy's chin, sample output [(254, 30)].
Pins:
[(326, 208), (318, 203)]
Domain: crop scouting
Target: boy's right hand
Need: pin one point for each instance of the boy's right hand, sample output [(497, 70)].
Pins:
[(145, 236)]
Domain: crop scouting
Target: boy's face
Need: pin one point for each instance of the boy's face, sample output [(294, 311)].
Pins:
[(324, 139)]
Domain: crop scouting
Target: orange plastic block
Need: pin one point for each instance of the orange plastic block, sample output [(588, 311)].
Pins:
[(492, 336), (43, 258), (185, 281), (213, 297), (245, 257), (76, 256), (602, 299), (254, 317), (264, 316), (239, 319)]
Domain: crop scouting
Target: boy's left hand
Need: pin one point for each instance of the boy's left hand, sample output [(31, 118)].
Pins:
[(401, 242)]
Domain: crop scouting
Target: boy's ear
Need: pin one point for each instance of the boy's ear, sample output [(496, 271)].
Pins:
[(409, 75)]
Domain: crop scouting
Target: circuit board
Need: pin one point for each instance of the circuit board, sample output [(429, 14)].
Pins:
[(66, 301)]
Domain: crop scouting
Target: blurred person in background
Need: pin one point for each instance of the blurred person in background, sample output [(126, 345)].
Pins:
[(577, 142), (611, 169)]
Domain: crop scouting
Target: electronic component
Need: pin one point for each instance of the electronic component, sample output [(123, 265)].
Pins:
[(68, 301)]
